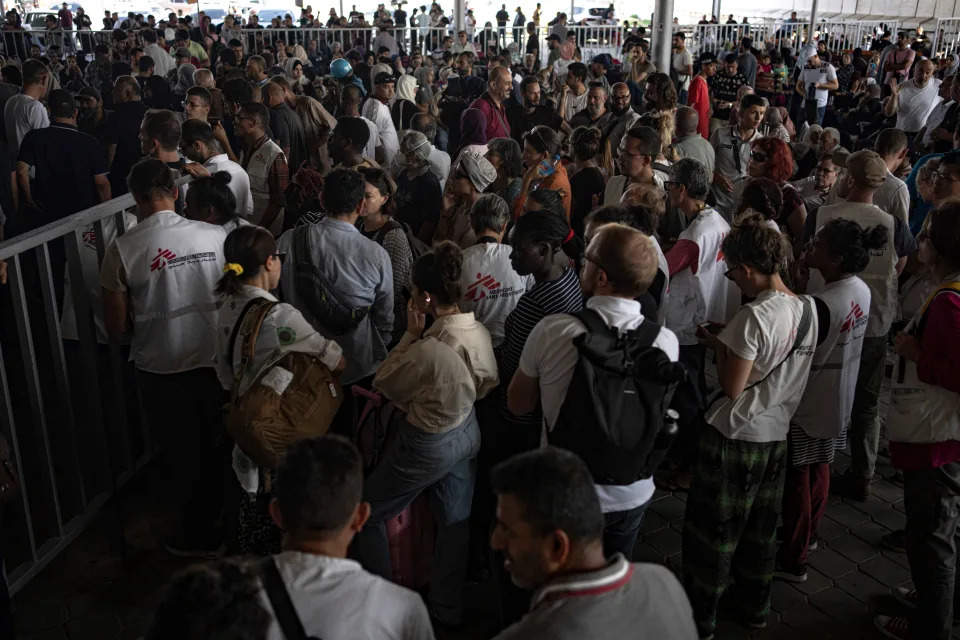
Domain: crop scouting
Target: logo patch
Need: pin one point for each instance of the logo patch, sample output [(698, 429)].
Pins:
[(160, 260), (479, 289)]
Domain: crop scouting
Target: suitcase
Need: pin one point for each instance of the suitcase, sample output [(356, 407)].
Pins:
[(411, 533)]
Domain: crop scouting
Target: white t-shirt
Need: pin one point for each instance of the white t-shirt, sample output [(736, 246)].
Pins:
[(491, 288), (239, 182), (550, 356), (22, 114), (370, 151), (823, 74), (764, 331), (680, 61), (336, 598), (915, 104), (379, 114), (574, 104)]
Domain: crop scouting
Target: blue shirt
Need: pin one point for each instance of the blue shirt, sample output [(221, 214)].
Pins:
[(359, 274), (918, 209)]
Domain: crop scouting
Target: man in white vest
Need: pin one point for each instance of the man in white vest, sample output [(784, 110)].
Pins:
[(162, 273), (377, 110), (264, 162), (698, 292), (865, 172)]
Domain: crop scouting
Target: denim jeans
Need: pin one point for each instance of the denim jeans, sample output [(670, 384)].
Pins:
[(620, 530), (681, 96), (931, 501), (821, 111), (446, 464)]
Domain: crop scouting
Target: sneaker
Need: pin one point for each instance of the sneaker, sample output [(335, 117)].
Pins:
[(814, 544), (847, 486), (895, 541), (758, 622), (906, 597), (780, 573), (185, 549), (894, 628)]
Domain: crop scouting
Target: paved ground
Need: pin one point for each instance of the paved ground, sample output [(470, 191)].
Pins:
[(91, 592)]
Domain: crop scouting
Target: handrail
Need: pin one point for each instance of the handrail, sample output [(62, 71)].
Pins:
[(58, 228)]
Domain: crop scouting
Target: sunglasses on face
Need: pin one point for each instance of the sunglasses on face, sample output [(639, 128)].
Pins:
[(759, 156)]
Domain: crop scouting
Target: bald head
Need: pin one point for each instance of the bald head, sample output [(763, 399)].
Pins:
[(687, 121), (273, 94), (922, 73)]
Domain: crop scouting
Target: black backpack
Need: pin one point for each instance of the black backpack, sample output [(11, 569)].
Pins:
[(317, 295), (417, 246), (615, 414)]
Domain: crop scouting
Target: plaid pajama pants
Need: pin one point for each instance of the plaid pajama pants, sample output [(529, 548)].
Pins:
[(730, 524)]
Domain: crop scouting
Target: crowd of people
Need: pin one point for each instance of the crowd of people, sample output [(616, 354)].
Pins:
[(448, 227)]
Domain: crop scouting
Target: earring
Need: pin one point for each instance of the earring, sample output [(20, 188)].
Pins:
[(428, 299)]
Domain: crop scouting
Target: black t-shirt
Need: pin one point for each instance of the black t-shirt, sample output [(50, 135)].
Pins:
[(586, 184), (502, 18), (123, 130), (288, 132), (419, 200), (521, 122), (65, 161)]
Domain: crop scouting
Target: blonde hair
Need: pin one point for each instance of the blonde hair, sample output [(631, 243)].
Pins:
[(627, 256)]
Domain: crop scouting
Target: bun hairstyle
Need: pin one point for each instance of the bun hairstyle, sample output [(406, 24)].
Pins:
[(214, 192), (439, 273), (853, 243), (585, 142), (763, 196), (551, 229), (245, 251), (751, 242)]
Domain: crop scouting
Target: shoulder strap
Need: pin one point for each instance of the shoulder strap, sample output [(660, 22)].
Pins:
[(593, 321), (248, 327), (806, 319), (280, 601), (382, 232), (496, 112)]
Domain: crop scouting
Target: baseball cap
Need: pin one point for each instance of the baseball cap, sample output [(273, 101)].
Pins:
[(602, 59), (867, 168), (707, 58), (554, 36), (90, 92), (384, 78), (731, 57), (61, 103)]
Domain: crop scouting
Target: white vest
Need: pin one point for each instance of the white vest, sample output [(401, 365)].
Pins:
[(881, 272), (172, 266), (921, 412), (701, 296), (90, 279), (259, 171), (824, 410), (665, 292)]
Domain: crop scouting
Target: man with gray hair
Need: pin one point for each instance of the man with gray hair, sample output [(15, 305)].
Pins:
[(829, 140), (690, 144), (439, 160), (491, 286)]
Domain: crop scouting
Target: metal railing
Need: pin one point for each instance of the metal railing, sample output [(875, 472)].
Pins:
[(67, 404), (946, 39), (16, 44), (839, 36)]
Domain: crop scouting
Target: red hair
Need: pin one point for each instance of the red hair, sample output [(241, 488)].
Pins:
[(780, 168)]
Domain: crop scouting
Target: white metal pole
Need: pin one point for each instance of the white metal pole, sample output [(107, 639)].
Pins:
[(813, 21), (662, 34)]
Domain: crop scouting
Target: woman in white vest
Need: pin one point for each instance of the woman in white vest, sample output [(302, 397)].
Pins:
[(698, 293), (643, 218), (251, 271), (924, 426), (162, 273), (864, 173), (763, 360), (839, 251)]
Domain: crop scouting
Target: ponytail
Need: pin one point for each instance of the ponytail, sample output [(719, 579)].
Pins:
[(551, 229), (852, 243), (245, 251)]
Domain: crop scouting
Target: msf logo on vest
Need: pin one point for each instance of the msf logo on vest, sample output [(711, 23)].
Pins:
[(160, 260), (855, 318), (481, 287)]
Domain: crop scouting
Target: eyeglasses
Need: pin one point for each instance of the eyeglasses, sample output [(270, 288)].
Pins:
[(281, 256), (759, 156), (940, 175), (587, 258), (726, 274), (824, 170)]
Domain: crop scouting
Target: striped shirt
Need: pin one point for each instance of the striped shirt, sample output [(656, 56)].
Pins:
[(545, 298)]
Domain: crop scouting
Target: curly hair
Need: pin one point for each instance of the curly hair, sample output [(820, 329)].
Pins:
[(751, 242), (664, 91), (781, 160), (764, 196)]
